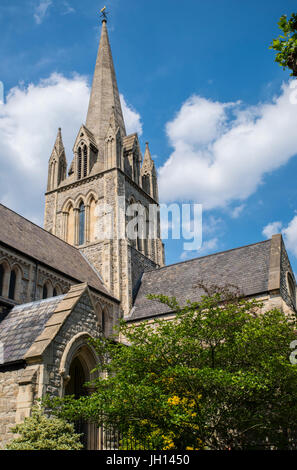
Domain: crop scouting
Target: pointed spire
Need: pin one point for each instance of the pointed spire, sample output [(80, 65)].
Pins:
[(104, 94), (148, 162), (59, 147)]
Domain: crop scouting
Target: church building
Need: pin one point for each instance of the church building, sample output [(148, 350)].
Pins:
[(65, 283)]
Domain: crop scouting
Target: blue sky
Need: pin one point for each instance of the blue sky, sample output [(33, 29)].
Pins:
[(185, 69)]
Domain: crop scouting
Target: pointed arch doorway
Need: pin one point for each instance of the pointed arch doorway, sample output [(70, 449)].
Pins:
[(77, 364), (75, 386)]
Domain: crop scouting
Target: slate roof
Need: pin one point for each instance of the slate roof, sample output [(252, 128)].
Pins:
[(246, 267), (32, 240), (23, 325)]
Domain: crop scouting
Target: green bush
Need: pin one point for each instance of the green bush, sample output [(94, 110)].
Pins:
[(41, 433)]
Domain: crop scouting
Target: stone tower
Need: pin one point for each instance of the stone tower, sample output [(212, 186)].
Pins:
[(105, 180)]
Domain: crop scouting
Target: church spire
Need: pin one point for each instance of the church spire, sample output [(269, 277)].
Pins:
[(57, 164), (147, 161), (104, 95), (59, 143)]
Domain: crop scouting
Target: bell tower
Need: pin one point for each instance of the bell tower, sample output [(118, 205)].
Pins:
[(107, 176)]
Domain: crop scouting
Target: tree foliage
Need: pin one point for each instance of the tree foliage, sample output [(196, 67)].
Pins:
[(217, 376), (286, 44), (41, 433)]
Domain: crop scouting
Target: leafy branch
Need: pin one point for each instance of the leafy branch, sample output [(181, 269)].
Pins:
[(286, 44)]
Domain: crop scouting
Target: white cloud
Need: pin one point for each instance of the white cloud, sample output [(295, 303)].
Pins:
[(272, 229), (28, 126), (132, 118), (222, 151), (235, 213), (41, 10), (212, 225), (289, 233), (29, 121), (68, 9), (208, 247), (290, 236)]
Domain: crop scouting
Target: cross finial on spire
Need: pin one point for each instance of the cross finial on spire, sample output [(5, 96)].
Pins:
[(103, 14)]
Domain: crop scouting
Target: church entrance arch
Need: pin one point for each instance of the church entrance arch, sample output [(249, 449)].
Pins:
[(78, 361)]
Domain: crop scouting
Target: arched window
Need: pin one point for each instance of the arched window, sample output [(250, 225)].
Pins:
[(79, 163), (85, 161), (1, 279), (44, 292), (146, 184), (55, 293), (12, 285), (135, 167), (81, 224)]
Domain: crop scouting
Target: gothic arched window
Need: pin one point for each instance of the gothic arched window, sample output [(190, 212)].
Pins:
[(12, 285), (55, 293), (79, 163), (81, 224), (146, 184), (85, 161), (1, 279), (44, 292)]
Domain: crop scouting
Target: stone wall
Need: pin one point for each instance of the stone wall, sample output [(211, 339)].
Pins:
[(29, 285), (9, 389), (82, 319)]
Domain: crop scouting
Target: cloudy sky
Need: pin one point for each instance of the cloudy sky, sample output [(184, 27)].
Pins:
[(197, 80)]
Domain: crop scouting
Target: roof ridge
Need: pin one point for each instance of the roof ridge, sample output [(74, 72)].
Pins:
[(207, 256), (39, 301), (41, 228)]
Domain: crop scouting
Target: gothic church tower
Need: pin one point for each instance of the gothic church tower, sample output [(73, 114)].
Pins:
[(106, 172)]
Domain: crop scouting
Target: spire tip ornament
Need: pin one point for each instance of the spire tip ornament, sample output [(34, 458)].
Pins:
[(103, 14)]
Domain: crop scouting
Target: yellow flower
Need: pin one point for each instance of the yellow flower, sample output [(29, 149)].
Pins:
[(174, 400)]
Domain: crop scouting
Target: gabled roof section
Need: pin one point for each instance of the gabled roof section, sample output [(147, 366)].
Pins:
[(246, 267), (29, 329), (23, 325), (33, 241), (130, 141), (105, 94), (85, 132)]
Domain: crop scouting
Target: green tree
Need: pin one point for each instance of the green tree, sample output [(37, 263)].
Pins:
[(218, 376), (286, 44), (41, 433)]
